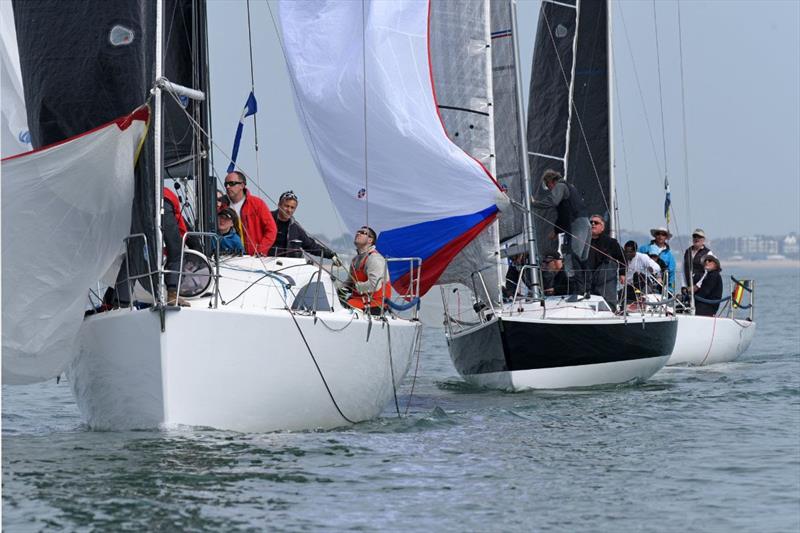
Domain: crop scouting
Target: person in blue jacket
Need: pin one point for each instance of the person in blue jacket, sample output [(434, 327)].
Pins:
[(230, 242), (659, 243)]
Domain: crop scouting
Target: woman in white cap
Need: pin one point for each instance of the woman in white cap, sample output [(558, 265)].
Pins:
[(694, 258), (709, 288), (660, 237)]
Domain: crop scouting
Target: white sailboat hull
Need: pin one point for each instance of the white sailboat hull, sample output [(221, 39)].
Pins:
[(620, 372), (235, 370), (704, 340)]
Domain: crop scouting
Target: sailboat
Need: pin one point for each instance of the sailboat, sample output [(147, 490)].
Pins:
[(265, 343), (539, 342)]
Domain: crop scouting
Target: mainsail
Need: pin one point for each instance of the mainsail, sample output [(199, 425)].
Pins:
[(362, 74), (509, 167), (568, 121)]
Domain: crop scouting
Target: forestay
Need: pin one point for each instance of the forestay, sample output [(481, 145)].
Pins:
[(84, 188), (362, 76)]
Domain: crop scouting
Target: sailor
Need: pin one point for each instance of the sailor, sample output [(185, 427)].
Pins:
[(230, 241), (571, 215), (708, 287), (694, 258), (556, 282), (290, 232), (517, 260), (639, 268), (660, 237), (222, 200), (368, 275), (256, 223), (605, 264), (171, 198)]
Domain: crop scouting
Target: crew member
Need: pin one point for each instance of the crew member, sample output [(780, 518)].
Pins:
[(660, 237), (257, 225), (367, 273), (290, 230)]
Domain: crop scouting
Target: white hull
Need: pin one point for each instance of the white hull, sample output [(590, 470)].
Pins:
[(565, 377), (704, 340), (238, 367)]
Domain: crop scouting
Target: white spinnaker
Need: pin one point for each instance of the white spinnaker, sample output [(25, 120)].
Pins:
[(15, 137), (415, 173), (65, 212)]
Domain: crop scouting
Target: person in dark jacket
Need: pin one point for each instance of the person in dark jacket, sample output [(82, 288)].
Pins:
[(230, 241), (555, 280), (290, 230), (694, 258), (709, 287), (571, 215), (604, 266)]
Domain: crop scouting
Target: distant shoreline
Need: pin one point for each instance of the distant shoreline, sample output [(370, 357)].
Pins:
[(762, 263)]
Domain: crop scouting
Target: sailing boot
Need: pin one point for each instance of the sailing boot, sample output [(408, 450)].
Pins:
[(172, 296)]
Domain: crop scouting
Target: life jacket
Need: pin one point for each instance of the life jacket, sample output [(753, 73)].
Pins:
[(176, 207), (570, 208), (377, 298)]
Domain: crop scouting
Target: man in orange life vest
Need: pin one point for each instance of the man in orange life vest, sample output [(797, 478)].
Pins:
[(367, 272)]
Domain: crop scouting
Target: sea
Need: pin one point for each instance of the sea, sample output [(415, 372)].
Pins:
[(692, 449)]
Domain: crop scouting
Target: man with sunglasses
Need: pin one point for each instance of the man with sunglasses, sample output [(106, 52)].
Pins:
[(660, 237), (694, 258), (257, 225), (292, 239), (604, 266), (367, 272)]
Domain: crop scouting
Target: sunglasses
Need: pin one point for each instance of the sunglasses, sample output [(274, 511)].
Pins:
[(362, 232), (697, 237), (660, 233), (233, 183), (596, 222)]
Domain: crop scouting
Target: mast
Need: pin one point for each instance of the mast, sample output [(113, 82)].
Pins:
[(158, 151), (612, 179), (523, 148), (571, 100)]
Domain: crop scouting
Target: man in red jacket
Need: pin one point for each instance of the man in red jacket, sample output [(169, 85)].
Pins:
[(257, 225)]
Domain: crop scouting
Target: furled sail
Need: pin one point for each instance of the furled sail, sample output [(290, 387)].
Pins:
[(363, 90), (568, 104), (65, 211), (509, 170)]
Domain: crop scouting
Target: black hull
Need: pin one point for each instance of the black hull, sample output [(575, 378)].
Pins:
[(510, 345)]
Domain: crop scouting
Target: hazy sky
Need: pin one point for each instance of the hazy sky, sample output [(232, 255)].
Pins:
[(741, 64)]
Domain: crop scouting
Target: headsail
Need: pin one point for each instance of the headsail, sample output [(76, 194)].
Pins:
[(15, 135), (65, 211), (568, 122), (375, 133)]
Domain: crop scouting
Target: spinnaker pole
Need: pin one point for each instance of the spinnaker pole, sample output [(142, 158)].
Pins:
[(159, 295)]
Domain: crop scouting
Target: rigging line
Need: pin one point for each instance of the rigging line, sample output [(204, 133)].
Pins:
[(303, 114), (683, 115), (577, 113), (624, 150), (415, 350), (364, 82), (660, 98), (639, 87), (253, 89)]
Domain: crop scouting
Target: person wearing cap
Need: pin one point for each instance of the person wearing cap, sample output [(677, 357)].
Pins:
[(370, 288), (694, 258), (708, 287), (660, 237), (230, 241), (292, 239), (571, 215), (256, 223), (517, 259), (555, 280)]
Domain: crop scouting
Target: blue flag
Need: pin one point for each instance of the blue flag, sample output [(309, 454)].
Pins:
[(250, 108), (667, 200)]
